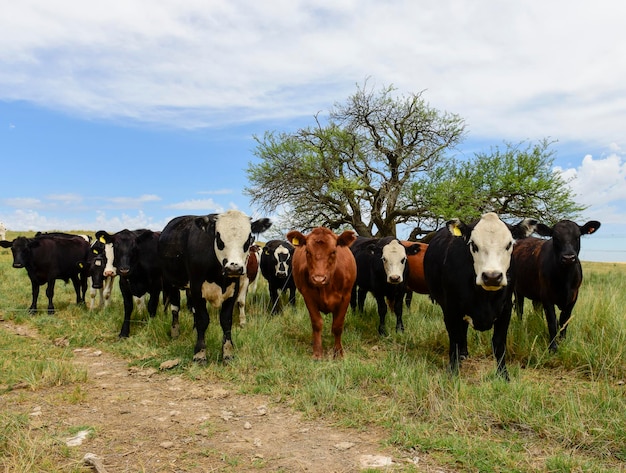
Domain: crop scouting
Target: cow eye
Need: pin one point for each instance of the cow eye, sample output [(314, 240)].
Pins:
[(403, 261), (473, 247), (508, 247), (219, 242)]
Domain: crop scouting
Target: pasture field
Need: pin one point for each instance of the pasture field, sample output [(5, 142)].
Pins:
[(561, 412)]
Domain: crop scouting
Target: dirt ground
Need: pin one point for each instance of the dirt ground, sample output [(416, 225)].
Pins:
[(148, 421)]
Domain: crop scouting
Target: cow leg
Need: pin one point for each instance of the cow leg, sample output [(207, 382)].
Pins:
[(226, 321), (153, 302), (50, 295), (361, 295), (382, 314), (552, 325), (564, 319), (498, 344), (244, 284), (353, 298), (34, 286), (397, 309), (201, 322), (519, 306), (274, 300), (127, 297), (174, 302), (339, 317), (457, 335), (317, 323), (408, 298), (292, 295), (77, 289), (107, 288)]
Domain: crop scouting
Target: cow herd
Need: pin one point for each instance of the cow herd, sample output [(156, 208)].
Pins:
[(476, 272)]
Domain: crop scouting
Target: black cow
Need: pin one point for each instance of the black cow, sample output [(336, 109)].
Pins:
[(548, 271), (49, 257), (136, 259), (207, 254), (382, 270), (467, 268), (276, 261)]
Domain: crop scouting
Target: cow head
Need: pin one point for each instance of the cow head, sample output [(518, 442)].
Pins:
[(21, 248), (393, 257), (490, 244), (280, 254), (320, 248), (566, 238), (125, 247), (233, 234)]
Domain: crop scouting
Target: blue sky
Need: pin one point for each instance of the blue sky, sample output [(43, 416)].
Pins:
[(126, 114)]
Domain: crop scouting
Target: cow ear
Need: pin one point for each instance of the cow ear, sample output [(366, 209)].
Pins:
[(206, 223), (6, 244), (589, 227), (543, 230), (144, 236), (296, 238), (456, 227), (346, 238), (523, 229), (103, 236), (413, 249), (260, 225)]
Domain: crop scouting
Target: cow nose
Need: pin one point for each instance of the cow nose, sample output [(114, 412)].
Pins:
[(18, 265), (394, 279), (233, 270), (492, 278), (124, 271), (109, 274), (319, 279), (568, 259)]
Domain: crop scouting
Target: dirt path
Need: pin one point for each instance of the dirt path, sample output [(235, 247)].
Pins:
[(146, 421)]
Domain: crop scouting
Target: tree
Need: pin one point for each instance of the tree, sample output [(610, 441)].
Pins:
[(515, 182), (355, 170)]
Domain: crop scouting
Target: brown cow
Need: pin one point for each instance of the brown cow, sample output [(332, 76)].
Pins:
[(324, 271), (416, 281)]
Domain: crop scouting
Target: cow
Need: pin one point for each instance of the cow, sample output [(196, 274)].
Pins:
[(49, 257), (96, 274), (207, 255), (324, 271), (382, 270), (276, 262), (248, 282), (468, 272), (548, 272), (136, 261), (415, 280)]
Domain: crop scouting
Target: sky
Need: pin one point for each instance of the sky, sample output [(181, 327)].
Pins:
[(126, 114)]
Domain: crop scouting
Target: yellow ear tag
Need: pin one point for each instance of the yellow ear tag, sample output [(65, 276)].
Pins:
[(80, 265), (102, 240), (456, 231), (95, 252), (295, 242)]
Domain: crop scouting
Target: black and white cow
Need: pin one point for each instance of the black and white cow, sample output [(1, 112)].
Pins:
[(136, 260), (382, 270), (208, 255), (97, 279), (468, 271), (49, 257), (276, 261), (548, 272)]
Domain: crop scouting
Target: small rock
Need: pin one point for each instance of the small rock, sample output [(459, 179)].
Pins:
[(247, 426), (167, 444), (262, 410), (227, 415), (169, 364), (344, 445), (375, 461)]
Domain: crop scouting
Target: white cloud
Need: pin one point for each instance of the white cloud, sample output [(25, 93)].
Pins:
[(601, 184), (203, 205), (510, 68), (133, 202)]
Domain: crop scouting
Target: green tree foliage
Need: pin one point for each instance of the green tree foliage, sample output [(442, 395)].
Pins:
[(354, 170), (381, 160), (515, 182)]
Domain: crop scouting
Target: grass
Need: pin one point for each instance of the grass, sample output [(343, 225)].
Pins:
[(562, 412)]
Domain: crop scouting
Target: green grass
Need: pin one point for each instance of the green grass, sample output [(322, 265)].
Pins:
[(561, 412)]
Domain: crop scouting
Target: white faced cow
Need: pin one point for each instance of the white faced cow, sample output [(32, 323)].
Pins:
[(468, 271), (208, 255)]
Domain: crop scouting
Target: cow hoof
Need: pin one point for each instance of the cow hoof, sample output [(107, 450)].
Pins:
[(200, 357), (227, 351), (175, 331)]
